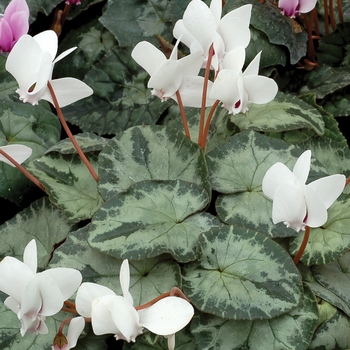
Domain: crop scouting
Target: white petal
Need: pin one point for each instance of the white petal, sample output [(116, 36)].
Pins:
[(181, 31), (87, 292), (148, 56), (316, 210), (64, 54), (31, 302), (67, 91), (48, 42), (302, 166), (12, 304), (68, 280), (30, 256), (124, 279), (260, 89), (277, 175), (191, 64), (306, 5), (289, 205), (234, 60), (167, 316), (329, 188), (75, 328), (253, 67), (19, 153), (216, 9), (171, 341)]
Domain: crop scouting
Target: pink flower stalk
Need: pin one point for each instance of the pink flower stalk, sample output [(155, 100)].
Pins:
[(292, 8), (73, 2), (13, 24)]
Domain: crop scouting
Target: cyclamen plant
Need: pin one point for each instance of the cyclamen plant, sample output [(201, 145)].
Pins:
[(181, 234)]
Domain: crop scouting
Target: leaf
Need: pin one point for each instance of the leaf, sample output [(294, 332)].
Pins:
[(293, 330), (338, 104), (330, 241), (148, 278), (150, 153), (41, 221), (121, 98), (241, 275), (285, 112), (152, 218), (68, 183)]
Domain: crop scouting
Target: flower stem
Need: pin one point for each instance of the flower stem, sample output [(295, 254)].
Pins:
[(183, 114), (204, 95), (70, 135), (347, 181), (24, 171), (207, 124), (340, 11), (302, 246)]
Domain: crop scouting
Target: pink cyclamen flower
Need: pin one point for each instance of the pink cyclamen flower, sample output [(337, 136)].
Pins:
[(13, 24), (292, 8)]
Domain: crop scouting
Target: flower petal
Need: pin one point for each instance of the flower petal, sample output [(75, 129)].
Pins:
[(259, 89), (253, 67), (30, 256), (48, 42), (234, 60), (16, 6), (167, 316), (306, 5), (302, 166), (288, 7), (31, 300), (124, 279), (75, 328), (19, 153), (316, 210), (6, 36), (19, 25)]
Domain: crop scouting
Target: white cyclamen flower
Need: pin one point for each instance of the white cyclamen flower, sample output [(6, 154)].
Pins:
[(114, 314), (31, 62), (237, 89), (34, 296), (295, 203), (75, 328), (19, 153)]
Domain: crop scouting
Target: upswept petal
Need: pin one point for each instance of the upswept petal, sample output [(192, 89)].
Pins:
[(12, 304), (289, 205), (216, 9), (16, 6), (14, 276), (75, 328), (329, 188), (64, 54), (316, 210), (42, 78), (87, 292), (167, 316), (191, 64), (5, 36), (67, 91), (181, 31), (244, 12), (253, 67), (234, 60), (124, 279), (68, 280), (48, 42), (200, 21), (19, 25), (302, 166), (277, 175), (259, 89), (148, 56), (171, 341), (30, 256), (288, 7), (31, 300), (19, 153), (306, 5)]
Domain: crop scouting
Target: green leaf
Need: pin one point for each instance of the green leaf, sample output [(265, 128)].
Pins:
[(338, 104), (68, 183), (241, 275), (150, 153), (293, 330), (148, 278), (285, 112), (41, 221), (152, 218), (330, 241), (121, 98)]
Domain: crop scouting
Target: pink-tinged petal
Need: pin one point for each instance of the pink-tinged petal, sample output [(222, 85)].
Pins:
[(67, 91), (316, 210), (288, 7), (35, 326), (191, 64), (87, 292), (31, 300), (259, 89), (166, 316), (253, 67), (234, 60), (124, 279), (6, 36), (191, 92), (75, 328), (16, 6), (277, 175), (48, 42), (329, 188), (306, 6), (19, 24), (216, 9), (201, 23), (302, 166), (289, 205), (68, 280), (242, 98), (19, 153), (30, 255), (126, 318), (148, 56), (64, 54), (14, 276)]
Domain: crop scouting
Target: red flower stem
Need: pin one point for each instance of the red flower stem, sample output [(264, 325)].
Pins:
[(302, 246), (183, 114), (347, 181), (174, 292), (69, 133), (331, 15), (207, 124), (326, 20), (24, 171), (204, 95), (340, 11)]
